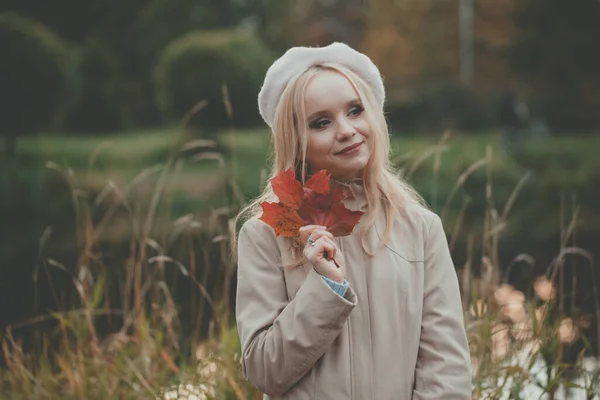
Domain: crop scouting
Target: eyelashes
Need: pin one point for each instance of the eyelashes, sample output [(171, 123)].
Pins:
[(321, 123), (357, 110)]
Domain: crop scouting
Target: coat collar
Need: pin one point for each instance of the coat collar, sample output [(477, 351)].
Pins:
[(357, 199)]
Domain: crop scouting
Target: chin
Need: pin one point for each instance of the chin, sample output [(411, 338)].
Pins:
[(345, 169), (348, 173)]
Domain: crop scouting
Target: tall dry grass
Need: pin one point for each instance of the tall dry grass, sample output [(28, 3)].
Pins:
[(522, 347), (518, 342), (75, 355)]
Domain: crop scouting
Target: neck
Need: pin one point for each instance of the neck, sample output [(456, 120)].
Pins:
[(348, 180)]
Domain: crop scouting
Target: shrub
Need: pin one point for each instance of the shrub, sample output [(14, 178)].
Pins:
[(440, 106), (194, 67), (555, 52), (36, 75), (99, 107)]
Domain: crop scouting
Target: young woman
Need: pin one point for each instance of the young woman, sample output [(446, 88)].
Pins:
[(387, 323)]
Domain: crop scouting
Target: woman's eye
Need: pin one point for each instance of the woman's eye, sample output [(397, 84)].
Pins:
[(356, 110), (319, 124)]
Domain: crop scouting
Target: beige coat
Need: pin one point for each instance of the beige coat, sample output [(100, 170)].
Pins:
[(397, 334)]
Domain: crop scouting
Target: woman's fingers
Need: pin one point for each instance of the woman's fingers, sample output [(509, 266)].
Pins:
[(322, 251), (308, 230), (325, 258), (325, 233), (316, 234), (327, 247), (330, 246), (322, 245), (319, 236)]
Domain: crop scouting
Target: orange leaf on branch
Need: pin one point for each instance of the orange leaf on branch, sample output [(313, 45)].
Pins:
[(315, 203)]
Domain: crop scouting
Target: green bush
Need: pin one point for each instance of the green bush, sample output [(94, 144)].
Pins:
[(439, 106), (194, 67), (555, 53), (99, 108), (37, 73)]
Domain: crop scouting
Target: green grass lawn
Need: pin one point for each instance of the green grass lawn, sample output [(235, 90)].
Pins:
[(565, 164), (128, 153), (121, 157)]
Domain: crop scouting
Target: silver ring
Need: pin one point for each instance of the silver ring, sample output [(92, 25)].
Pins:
[(311, 241)]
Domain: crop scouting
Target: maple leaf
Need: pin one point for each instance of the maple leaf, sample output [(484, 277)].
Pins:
[(341, 221), (319, 182), (314, 204), (284, 220), (330, 212), (315, 208), (338, 194), (287, 188)]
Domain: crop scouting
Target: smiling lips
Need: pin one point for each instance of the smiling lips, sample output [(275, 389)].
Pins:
[(350, 149)]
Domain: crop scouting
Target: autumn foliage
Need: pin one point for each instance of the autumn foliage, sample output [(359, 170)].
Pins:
[(315, 203)]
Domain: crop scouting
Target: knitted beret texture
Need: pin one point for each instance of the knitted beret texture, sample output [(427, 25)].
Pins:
[(298, 59)]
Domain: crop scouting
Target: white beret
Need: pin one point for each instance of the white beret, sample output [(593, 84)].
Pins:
[(298, 59)]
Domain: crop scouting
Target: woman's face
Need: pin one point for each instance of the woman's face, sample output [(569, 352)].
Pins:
[(337, 127)]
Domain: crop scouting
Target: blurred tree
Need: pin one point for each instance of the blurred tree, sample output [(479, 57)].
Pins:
[(73, 25), (100, 106), (106, 28), (194, 68), (161, 21), (413, 42), (416, 47), (37, 77), (556, 53), (494, 34), (122, 39), (417, 43), (320, 22)]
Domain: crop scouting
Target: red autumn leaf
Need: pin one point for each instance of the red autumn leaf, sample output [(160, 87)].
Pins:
[(341, 221), (332, 214), (318, 205), (319, 182), (288, 189), (315, 208), (284, 220), (338, 194)]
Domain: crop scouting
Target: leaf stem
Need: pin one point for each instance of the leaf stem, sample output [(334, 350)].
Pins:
[(330, 259)]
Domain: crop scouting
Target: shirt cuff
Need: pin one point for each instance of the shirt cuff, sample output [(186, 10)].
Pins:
[(339, 288)]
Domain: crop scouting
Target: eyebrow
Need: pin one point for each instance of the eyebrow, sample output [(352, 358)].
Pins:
[(322, 112)]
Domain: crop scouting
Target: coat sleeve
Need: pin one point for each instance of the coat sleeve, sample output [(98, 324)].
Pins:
[(281, 339), (443, 366)]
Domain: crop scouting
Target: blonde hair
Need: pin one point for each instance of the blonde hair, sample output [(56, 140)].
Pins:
[(385, 191)]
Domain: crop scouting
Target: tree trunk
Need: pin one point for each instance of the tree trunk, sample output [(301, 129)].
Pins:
[(467, 40)]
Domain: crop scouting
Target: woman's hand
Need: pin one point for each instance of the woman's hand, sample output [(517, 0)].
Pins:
[(321, 251)]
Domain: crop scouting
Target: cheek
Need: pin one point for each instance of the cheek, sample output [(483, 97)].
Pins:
[(365, 129), (318, 146), (367, 133)]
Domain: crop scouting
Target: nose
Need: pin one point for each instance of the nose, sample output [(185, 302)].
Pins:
[(345, 129)]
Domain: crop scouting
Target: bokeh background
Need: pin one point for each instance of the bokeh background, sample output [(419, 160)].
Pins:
[(131, 137)]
